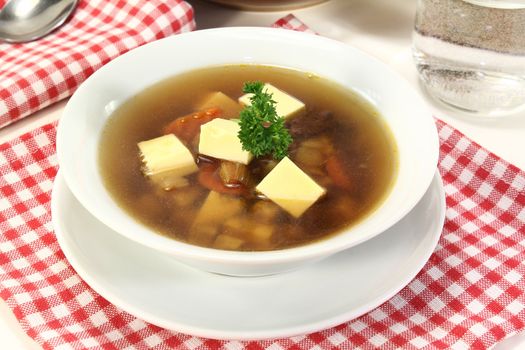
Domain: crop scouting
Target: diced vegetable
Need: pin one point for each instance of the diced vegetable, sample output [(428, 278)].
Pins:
[(261, 233), (204, 233), (229, 106), (265, 211), (188, 127), (313, 152), (233, 173), (320, 143), (253, 232), (309, 156), (235, 225), (337, 172), (166, 161), (227, 242), (216, 209), (209, 177)]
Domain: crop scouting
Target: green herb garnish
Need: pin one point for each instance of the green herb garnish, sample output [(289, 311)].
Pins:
[(262, 130)]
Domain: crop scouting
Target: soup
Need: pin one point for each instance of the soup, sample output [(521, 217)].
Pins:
[(342, 153)]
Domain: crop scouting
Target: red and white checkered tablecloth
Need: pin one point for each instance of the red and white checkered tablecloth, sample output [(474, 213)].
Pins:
[(470, 294), (36, 74)]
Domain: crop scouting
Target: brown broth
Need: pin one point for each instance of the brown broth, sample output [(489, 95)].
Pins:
[(360, 139)]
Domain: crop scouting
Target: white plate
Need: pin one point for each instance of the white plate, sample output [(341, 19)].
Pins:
[(156, 288)]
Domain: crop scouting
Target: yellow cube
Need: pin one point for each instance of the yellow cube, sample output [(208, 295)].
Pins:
[(217, 208), (286, 106), (290, 187), (229, 106), (219, 140), (166, 154)]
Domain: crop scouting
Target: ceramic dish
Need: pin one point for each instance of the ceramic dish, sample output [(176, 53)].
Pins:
[(402, 108), (156, 288)]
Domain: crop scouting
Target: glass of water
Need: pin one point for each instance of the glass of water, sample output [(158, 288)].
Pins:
[(471, 53)]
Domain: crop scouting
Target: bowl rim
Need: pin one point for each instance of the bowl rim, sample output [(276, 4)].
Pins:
[(311, 251)]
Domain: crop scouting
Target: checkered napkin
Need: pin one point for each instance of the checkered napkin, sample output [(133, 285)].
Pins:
[(470, 294), (36, 74)]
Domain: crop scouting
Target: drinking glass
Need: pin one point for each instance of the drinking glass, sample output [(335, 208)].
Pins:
[(471, 53)]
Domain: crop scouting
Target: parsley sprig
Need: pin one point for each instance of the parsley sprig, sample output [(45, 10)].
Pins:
[(262, 130)]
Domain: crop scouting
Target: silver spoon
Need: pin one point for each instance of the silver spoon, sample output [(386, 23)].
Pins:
[(27, 20)]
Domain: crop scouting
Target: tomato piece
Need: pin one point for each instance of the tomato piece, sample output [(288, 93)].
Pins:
[(337, 172), (188, 126)]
